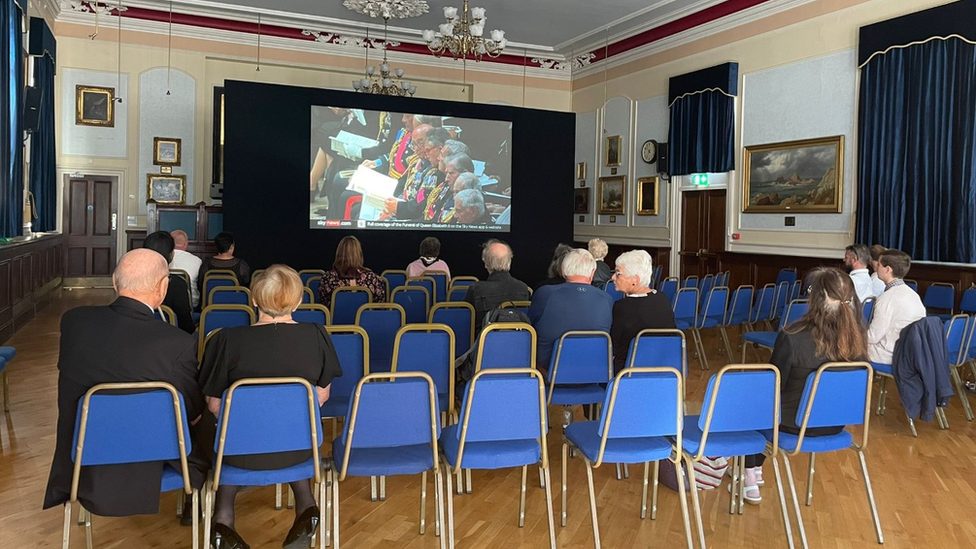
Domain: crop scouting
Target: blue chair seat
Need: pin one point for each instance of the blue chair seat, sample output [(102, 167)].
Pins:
[(400, 460), (883, 369), (570, 395), (172, 480), (829, 443), (8, 353), (586, 436), (710, 321), (740, 443), (3, 363), (489, 455), (336, 406), (235, 476), (765, 339), (944, 316), (684, 323)]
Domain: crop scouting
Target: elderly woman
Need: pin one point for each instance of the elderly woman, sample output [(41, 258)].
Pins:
[(598, 249), (430, 249), (641, 307), (555, 272), (275, 346), (348, 270)]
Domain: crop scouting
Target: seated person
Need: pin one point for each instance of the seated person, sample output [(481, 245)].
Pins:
[(225, 260), (499, 287), (187, 262), (274, 346), (832, 330), (857, 257), (641, 307), (554, 272), (598, 249), (430, 249), (572, 305), (466, 180), (469, 208), (894, 309), (421, 194), (177, 295), (348, 270), (453, 167)]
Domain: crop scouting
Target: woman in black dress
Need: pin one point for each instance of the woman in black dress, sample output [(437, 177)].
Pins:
[(274, 346), (832, 330), (177, 296), (224, 242)]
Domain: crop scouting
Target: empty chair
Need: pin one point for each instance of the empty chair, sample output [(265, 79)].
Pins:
[(957, 332), (766, 340), (669, 287), (795, 290), (424, 282), (968, 302), (739, 312), (415, 301), (912, 284), (460, 317), (429, 348), (786, 274), (659, 347), (782, 299), (440, 285), (313, 286), (457, 293), (581, 365), (395, 278), (504, 426), (686, 316), (229, 295), (611, 289), (705, 285), (314, 313), (506, 345), (712, 315), (309, 274), (656, 276), (941, 297), (762, 310), (308, 297), (211, 281), (690, 281), (381, 321), (352, 347), (346, 301)]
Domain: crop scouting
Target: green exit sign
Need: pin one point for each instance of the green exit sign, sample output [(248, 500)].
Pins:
[(700, 179)]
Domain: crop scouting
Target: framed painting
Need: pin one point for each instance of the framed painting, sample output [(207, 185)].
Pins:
[(166, 189), (796, 176), (94, 106), (581, 200), (611, 150), (167, 151), (581, 170), (613, 190), (647, 195)]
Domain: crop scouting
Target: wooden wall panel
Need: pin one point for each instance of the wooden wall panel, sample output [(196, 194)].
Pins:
[(29, 278), (17, 287)]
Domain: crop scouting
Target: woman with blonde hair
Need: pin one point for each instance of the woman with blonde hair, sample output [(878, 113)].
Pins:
[(598, 249), (348, 270), (832, 330), (274, 346)]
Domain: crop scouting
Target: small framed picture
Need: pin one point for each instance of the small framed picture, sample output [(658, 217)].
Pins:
[(581, 170), (94, 106), (647, 195), (166, 189), (166, 151), (612, 193), (611, 150), (581, 201)]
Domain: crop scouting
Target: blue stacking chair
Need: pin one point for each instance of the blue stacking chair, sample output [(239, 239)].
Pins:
[(424, 282), (767, 340), (222, 316), (308, 296), (796, 290), (215, 281), (394, 279), (839, 393), (762, 310), (782, 299), (381, 321), (460, 317), (229, 295), (521, 306), (415, 301), (346, 301), (506, 345), (739, 313), (247, 425), (942, 297), (690, 281), (504, 426), (685, 307), (867, 309), (705, 285), (392, 429), (429, 348), (658, 347), (669, 287), (7, 354), (741, 403), (656, 276), (611, 289), (309, 274), (313, 286), (463, 280), (313, 313), (786, 274), (957, 331), (641, 423), (440, 285), (580, 367), (168, 315), (912, 284), (966, 305), (457, 293), (113, 429), (711, 316)]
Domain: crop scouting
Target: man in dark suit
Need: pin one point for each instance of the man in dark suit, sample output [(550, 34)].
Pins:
[(122, 342)]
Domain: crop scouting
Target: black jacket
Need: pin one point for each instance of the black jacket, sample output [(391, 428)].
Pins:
[(488, 294), (122, 342), (920, 364)]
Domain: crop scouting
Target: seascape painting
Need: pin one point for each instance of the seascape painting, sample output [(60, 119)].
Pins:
[(798, 176)]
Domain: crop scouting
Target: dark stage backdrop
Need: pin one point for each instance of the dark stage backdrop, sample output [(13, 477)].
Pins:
[(266, 174)]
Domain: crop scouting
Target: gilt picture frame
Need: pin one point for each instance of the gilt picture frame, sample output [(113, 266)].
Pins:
[(167, 151), (94, 106), (613, 195), (166, 189), (581, 200), (648, 195), (611, 150), (804, 176)]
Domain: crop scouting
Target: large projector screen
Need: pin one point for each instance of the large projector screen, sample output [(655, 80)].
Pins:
[(396, 170)]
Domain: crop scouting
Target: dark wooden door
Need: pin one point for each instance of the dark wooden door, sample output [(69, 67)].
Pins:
[(702, 231), (90, 221)]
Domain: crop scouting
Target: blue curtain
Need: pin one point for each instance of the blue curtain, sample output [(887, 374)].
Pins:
[(917, 151), (11, 129), (43, 176), (702, 135)]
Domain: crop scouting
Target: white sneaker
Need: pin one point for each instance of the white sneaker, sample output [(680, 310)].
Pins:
[(567, 416), (759, 476), (751, 496)]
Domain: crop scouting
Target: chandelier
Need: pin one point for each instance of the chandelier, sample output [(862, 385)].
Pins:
[(388, 9), (463, 35), (383, 82)]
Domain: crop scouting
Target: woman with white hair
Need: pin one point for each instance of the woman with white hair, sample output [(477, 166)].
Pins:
[(598, 249), (641, 308)]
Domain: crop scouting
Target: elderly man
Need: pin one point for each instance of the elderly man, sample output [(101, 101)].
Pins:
[(499, 287), (122, 342), (572, 305), (469, 208), (185, 261), (857, 257), (896, 308)]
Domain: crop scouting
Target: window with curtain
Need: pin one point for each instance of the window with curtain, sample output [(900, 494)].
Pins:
[(702, 131)]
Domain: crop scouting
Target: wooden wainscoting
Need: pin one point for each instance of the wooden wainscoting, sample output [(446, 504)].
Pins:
[(30, 276)]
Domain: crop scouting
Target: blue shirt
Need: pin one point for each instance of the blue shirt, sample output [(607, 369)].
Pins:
[(560, 308)]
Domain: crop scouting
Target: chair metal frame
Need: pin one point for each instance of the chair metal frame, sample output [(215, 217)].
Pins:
[(788, 314), (951, 288), (432, 290), (84, 516), (257, 272), (731, 310), (202, 332), (390, 287), (5, 384), (676, 457), (454, 305), (557, 354), (318, 273), (437, 285), (169, 315), (384, 307), (317, 307), (431, 327), (543, 450), (210, 275), (960, 359), (660, 332), (186, 278), (504, 327), (701, 318), (349, 289)]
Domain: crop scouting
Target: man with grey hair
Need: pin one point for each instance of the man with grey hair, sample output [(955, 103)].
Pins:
[(499, 287), (572, 305), (453, 146), (187, 262), (641, 307), (856, 258), (123, 342), (598, 249), (469, 208)]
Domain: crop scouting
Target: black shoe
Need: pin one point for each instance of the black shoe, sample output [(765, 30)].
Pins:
[(186, 519), (224, 537), (302, 531)]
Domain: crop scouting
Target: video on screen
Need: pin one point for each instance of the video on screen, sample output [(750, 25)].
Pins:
[(395, 170)]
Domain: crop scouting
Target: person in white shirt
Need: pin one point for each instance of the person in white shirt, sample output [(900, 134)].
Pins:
[(185, 261), (877, 285), (896, 308), (856, 257)]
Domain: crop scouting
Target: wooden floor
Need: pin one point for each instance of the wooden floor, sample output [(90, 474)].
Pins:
[(924, 486)]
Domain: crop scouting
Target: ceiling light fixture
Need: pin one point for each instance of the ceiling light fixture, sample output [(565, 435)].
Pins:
[(383, 81), (463, 35)]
